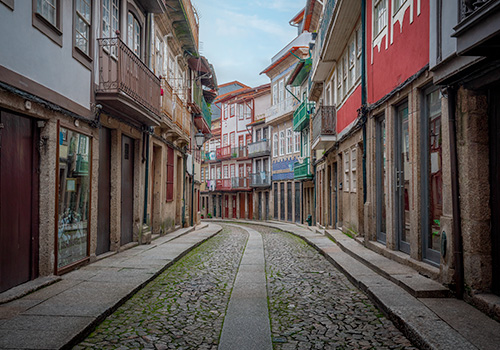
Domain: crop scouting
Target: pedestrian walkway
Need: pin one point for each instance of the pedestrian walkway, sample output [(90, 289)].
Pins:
[(246, 325), (431, 323), (59, 315)]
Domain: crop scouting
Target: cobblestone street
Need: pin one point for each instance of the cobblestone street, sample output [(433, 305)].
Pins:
[(311, 304)]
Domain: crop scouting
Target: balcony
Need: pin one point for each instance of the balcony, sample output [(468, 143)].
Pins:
[(324, 127), (240, 183), (282, 108), (478, 32), (208, 156), (260, 179), (301, 171), (301, 116), (185, 23), (167, 105), (127, 86), (239, 152), (223, 152), (259, 149), (223, 185)]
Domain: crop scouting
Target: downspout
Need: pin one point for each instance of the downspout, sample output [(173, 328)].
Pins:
[(363, 91), (146, 181), (184, 192), (455, 194)]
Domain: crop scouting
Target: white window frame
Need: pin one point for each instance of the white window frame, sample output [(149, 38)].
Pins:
[(354, 163), (275, 144), (289, 141), (379, 19), (296, 137), (282, 143), (347, 165)]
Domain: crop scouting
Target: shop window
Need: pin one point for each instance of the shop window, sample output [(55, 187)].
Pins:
[(73, 197)]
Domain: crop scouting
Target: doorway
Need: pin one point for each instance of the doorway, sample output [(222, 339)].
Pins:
[(494, 116), (259, 205), (234, 206), (402, 176), (104, 199), (266, 214), (127, 190), (18, 201), (380, 179), (298, 201)]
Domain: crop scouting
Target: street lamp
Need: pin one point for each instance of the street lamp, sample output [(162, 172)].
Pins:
[(199, 138)]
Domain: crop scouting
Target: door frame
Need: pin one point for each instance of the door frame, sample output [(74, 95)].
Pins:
[(399, 199), (379, 179)]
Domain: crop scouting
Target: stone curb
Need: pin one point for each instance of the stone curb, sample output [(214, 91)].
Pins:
[(89, 328)]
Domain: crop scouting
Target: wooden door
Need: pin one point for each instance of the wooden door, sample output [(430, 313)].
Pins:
[(104, 192), (242, 205), (127, 190), (18, 201), (234, 206), (259, 206), (226, 200)]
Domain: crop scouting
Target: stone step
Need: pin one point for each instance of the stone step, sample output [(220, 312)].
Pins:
[(404, 276)]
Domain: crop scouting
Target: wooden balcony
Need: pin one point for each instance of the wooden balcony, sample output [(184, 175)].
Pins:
[(223, 152), (185, 23), (167, 105), (301, 116), (223, 185), (127, 87), (324, 127), (302, 171)]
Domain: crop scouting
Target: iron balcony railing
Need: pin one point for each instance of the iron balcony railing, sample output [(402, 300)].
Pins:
[(260, 179), (239, 152), (259, 148), (324, 122), (223, 152), (301, 115), (286, 106), (302, 170), (324, 23), (223, 184), (122, 71), (240, 183)]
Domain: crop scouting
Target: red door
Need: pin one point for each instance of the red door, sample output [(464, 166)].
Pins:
[(18, 201), (250, 205), (234, 206), (226, 205), (242, 205)]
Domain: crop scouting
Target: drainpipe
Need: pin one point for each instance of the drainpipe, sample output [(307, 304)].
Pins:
[(146, 181), (192, 194), (363, 91), (314, 198), (184, 192), (455, 194)]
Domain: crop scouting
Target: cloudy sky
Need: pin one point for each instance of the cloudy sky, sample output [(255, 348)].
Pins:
[(239, 37)]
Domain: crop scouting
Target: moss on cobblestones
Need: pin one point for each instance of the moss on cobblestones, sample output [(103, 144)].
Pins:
[(313, 306), (181, 309)]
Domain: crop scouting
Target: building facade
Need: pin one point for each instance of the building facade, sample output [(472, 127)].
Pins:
[(107, 148)]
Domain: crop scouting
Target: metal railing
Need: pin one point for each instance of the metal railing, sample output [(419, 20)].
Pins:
[(259, 148), (260, 179), (240, 183), (223, 184), (223, 152), (167, 99), (122, 71), (467, 8), (239, 152), (324, 122), (286, 106)]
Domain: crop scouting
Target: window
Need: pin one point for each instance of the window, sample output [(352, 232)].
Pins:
[(231, 139), (47, 18), (232, 110), (275, 144), (275, 94), (339, 84), (397, 5), (134, 34), (82, 25), (232, 171), (218, 173), (224, 140), (226, 111), (305, 146), (202, 174), (248, 111), (282, 91), (258, 135), (241, 111), (345, 70), (110, 18), (226, 174), (158, 67), (359, 44), (282, 143), (353, 169), (212, 177), (296, 136), (170, 174), (346, 170), (264, 133), (289, 141), (379, 16), (352, 61)]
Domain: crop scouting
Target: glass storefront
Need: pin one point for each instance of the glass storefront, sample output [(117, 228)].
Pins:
[(74, 195)]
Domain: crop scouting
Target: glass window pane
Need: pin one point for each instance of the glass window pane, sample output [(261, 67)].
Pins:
[(74, 190)]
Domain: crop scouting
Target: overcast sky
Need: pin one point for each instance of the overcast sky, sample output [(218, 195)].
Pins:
[(239, 37)]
